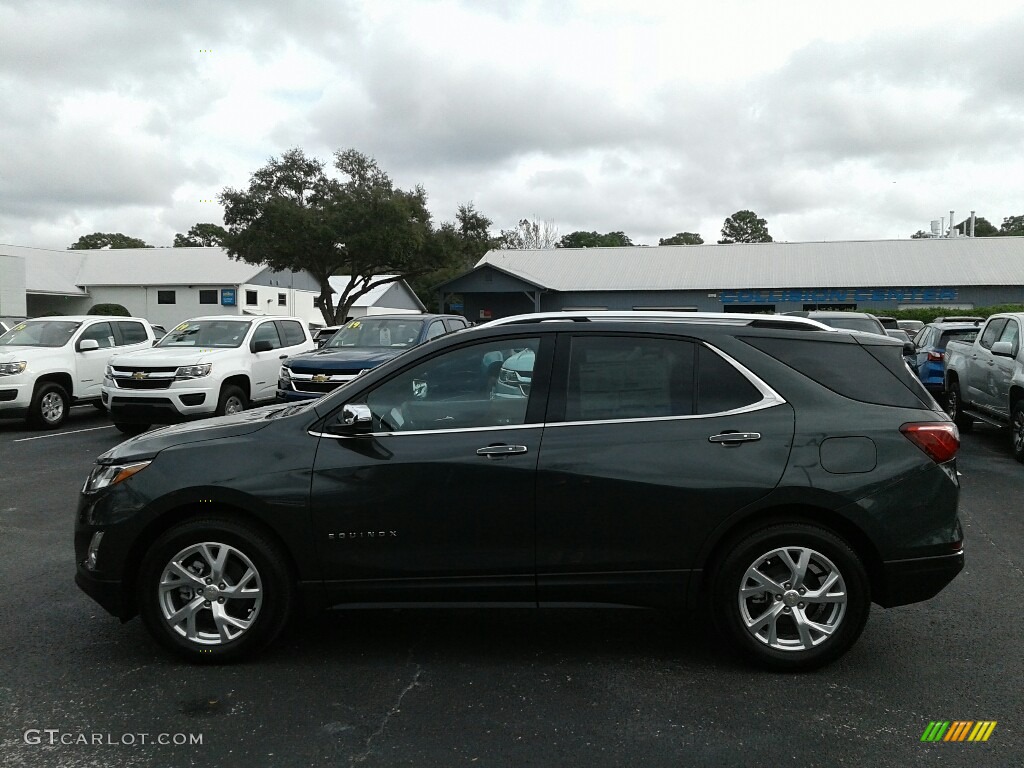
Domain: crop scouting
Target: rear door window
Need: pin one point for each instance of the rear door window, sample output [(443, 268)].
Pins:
[(720, 386), (292, 332), (132, 333)]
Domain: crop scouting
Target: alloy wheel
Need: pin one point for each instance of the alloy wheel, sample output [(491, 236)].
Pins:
[(51, 406), (792, 599), (210, 593), (233, 405)]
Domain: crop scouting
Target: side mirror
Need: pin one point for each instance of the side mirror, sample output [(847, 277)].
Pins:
[(354, 419), (909, 348), (263, 345), (1003, 348), (86, 344)]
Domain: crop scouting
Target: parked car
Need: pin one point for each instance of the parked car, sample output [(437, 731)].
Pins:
[(985, 378), (848, 321), (51, 363), (204, 367), (322, 335), (889, 323), (360, 345), (910, 326), (765, 473), (929, 359)]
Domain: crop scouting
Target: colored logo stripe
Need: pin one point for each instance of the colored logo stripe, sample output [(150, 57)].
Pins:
[(958, 730)]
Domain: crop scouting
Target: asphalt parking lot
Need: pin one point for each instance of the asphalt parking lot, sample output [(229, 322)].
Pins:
[(494, 688)]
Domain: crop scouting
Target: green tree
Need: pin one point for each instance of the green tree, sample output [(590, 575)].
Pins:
[(460, 245), (294, 216), (529, 235), (982, 227), (745, 227), (920, 235), (99, 240), (1012, 226), (581, 239), (201, 235), (682, 238), (117, 310)]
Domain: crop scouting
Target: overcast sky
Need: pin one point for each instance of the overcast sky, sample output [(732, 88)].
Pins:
[(831, 120)]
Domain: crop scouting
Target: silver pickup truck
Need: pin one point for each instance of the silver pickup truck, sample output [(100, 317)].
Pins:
[(985, 378)]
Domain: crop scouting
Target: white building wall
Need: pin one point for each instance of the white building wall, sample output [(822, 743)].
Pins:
[(297, 302), (12, 285)]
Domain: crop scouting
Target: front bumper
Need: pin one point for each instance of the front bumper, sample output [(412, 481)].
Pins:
[(910, 581), (15, 397), (158, 406)]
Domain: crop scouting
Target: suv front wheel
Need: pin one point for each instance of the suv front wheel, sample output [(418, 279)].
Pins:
[(791, 596), (214, 590)]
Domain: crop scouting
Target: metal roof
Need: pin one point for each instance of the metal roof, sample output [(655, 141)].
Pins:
[(369, 299), (68, 272), (868, 263)]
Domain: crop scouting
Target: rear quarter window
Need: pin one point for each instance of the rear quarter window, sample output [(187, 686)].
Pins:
[(878, 376)]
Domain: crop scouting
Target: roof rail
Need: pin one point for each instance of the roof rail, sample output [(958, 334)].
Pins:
[(959, 319), (696, 318)]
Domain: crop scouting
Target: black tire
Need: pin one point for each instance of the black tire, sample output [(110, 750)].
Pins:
[(955, 408), (230, 395), (49, 406), (130, 429), (247, 548), (1017, 429), (790, 650)]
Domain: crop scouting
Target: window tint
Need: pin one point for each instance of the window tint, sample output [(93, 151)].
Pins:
[(99, 332), (624, 377), (720, 387), (165, 297), (266, 332), (292, 333), (132, 333), (877, 376), (484, 385), (436, 329), (992, 331), (208, 296), (455, 323)]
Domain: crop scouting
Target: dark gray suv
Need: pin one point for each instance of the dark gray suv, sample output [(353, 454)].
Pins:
[(768, 474)]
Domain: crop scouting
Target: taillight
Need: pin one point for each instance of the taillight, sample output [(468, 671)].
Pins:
[(936, 357), (940, 440)]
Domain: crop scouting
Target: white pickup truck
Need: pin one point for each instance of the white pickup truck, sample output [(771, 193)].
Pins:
[(207, 366), (984, 379), (51, 363)]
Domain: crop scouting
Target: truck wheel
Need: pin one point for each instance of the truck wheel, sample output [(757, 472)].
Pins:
[(49, 407), (232, 400), (1017, 427), (955, 407), (130, 429)]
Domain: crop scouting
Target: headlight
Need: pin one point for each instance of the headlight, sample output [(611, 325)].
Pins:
[(110, 371), (286, 372), (13, 369), (193, 371), (112, 474)]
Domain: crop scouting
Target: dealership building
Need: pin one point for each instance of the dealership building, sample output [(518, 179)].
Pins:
[(877, 275)]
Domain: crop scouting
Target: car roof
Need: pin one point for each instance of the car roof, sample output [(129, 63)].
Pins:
[(645, 316), (82, 318)]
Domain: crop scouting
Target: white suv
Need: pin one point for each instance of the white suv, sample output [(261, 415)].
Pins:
[(50, 363), (204, 367)]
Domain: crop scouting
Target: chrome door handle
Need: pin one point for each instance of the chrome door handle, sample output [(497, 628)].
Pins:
[(735, 437), (500, 450)]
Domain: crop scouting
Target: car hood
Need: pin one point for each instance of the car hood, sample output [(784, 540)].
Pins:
[(343, 358), (149, 444), (168, 356), (15, 353)]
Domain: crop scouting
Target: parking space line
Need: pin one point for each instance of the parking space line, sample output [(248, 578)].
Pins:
[(61, 434)]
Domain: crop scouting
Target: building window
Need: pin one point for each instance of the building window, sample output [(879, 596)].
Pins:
[(251, 298), (208, 296), (282, 299), (165, 297)]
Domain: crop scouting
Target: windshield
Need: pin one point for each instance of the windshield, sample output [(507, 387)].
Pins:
[(207, 333), (865, 324), (40, 333), (377, 333)]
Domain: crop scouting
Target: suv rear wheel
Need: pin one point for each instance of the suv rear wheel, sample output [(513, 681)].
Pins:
[(791, 596), (214, 590)]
